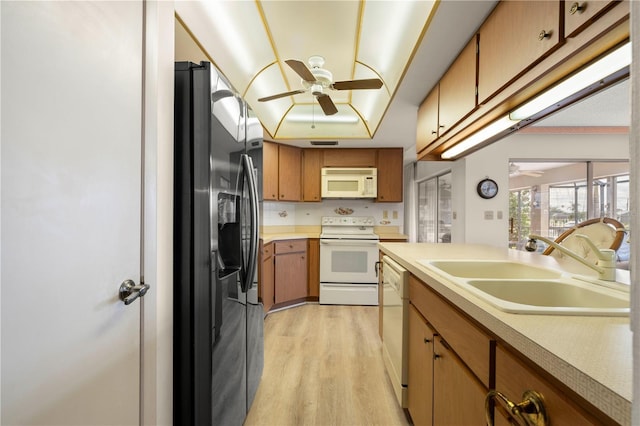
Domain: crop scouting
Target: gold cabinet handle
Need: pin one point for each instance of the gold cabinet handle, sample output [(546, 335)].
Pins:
[(530, 411), (544, 34), (576, 7)]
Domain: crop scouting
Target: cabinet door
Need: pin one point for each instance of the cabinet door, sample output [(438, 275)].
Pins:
[(428, 120), (289, 173), (267, 284), (270, 171), (513, 378), (514, 37), (311, 170), (390, 175), (313, 256), (290, 277), (579, 14), (458, 397), (458, 88), (349, 157), (420, 374)]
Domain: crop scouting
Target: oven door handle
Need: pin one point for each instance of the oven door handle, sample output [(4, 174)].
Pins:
[(350, 242)]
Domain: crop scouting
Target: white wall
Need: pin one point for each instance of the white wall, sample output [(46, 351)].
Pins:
[(470, 225)]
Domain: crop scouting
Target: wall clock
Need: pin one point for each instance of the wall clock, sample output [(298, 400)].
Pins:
[(487, 188)]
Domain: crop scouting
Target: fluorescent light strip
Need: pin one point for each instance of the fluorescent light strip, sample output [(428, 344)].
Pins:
[(477, 138), (308, 118), (604, 67)]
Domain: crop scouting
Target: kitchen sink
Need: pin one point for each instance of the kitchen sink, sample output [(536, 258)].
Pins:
[(519, 288), (561, 297), (491, 269)]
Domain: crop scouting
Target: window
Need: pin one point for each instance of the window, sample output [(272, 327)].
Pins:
[(434, 209), (547, 198)]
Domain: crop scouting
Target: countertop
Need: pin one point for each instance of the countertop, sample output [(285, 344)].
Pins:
[(591, 355)]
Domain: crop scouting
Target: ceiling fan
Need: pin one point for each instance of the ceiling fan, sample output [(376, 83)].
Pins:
[(514, 170), (318, 79)]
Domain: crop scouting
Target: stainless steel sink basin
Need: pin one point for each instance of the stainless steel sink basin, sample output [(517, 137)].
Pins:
[(491, 269), (566, 297)]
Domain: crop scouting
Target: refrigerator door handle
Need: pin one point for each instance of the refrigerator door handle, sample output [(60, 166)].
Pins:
[(250, 267)]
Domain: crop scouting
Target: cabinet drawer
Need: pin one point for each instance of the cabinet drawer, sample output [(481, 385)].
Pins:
[(290, 246), (267, 251), (513, 378), (470, 343)]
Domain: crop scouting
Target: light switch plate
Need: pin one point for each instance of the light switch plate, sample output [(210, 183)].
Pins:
[(488, 215)]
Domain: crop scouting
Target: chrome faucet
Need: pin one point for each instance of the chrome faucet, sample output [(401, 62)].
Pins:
[(605, 265)]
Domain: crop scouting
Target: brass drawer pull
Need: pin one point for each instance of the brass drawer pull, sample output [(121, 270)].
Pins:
[(544, 34), (576, 7), (530, 411)]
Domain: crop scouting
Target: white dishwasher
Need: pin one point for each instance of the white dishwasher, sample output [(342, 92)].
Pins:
[(395, 325)]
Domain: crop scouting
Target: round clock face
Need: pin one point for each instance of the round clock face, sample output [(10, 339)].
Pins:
[(487, 188)]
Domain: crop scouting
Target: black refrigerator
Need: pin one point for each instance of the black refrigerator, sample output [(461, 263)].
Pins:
[(218, 320)]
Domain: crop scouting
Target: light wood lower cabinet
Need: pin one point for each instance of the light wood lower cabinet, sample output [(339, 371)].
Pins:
[(458, 397), (514, 377), (265, 276), (313, 257), (442, 388), (290, 270), (453, 362), (420, 379)]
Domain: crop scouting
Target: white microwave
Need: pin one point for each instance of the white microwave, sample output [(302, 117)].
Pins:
[(352, 182)]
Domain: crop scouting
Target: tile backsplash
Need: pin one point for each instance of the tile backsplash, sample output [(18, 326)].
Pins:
[(286, 214)]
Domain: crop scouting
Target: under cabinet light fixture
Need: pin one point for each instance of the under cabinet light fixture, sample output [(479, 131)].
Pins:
[(609, 67), (593, 74), (497, 127)]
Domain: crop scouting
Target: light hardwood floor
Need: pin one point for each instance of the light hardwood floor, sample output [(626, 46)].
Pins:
[(323, 366)]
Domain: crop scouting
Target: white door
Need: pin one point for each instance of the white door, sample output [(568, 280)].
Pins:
[(71, 172)]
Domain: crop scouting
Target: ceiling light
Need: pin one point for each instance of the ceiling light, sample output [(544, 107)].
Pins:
[(592, 74), (310, 118), (488, 132)]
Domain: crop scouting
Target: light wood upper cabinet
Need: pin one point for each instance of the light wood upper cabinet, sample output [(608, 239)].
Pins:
[(516, 35), (349, 157), (427, 129), (270, 171), (311, 170), (289, 173), (458, 88), (390, 175), (579, 14)]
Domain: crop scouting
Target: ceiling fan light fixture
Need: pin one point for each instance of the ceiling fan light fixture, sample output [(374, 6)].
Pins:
[(316, 89)]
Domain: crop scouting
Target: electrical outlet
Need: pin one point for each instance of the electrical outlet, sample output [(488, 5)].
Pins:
[(385, 214), (395, 214), (488, 215), (499, 214)]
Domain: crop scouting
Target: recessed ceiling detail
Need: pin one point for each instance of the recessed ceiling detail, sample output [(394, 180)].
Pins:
[(253, 42)]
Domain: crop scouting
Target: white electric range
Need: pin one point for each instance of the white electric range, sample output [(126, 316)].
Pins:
[(348, 257)]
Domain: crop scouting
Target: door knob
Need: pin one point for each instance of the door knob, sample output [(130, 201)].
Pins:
[(129, 291)]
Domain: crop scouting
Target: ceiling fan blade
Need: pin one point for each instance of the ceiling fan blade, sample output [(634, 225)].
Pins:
[(301, 69), (281, 95), (327, 105), (370, 83)]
